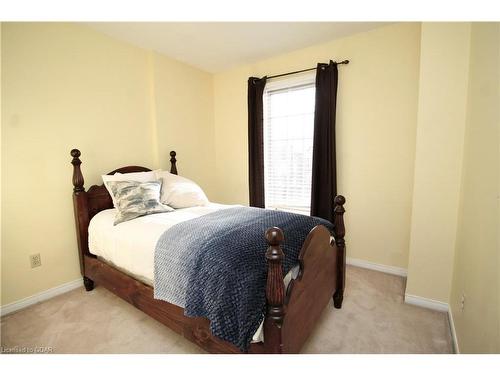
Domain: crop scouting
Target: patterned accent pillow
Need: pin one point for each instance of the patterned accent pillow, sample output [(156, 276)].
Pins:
[(135, 199)]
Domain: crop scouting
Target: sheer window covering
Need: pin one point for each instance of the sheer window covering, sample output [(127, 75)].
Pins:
[(288, 143)]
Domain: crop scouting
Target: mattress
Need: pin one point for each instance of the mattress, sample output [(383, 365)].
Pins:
[(130, 246)]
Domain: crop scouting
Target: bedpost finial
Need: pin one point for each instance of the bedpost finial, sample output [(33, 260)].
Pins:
[(338, 234), (77, 173), (338, 219), (338, 207), (274, 236), (173, 162), (75, 153), (339, 200)]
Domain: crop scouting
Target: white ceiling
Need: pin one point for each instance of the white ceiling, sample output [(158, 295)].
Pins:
[(217, 46)]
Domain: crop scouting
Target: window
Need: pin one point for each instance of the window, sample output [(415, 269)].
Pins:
[(288, 143)]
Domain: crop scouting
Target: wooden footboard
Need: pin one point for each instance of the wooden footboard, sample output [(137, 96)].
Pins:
[(291, 314), (311, 291)]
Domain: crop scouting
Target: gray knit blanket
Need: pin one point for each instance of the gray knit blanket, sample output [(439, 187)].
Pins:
[(214, 266)]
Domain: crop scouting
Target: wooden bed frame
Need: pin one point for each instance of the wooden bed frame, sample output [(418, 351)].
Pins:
[(291, 314)]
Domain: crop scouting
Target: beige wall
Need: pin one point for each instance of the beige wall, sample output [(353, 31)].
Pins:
[(65, 86), (444, 64), (376, 127), (477, 268), (184, 118)]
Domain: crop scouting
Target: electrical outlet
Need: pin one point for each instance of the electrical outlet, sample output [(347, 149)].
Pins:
[(35, 260), (462, 302)]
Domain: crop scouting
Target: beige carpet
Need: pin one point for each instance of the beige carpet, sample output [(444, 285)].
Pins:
[(374, 319)]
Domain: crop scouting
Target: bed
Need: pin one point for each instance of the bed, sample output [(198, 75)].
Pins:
[(120, 259)]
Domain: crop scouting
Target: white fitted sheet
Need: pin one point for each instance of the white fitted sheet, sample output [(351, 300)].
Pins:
[(130, 246)]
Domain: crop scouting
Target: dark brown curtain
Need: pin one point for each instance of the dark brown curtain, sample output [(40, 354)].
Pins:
[(324, 170), (256, 140)]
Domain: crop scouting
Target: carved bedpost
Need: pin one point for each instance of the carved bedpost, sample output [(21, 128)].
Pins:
[(173, 161), (275, 291), (80, 205), (77, 173), (339, 233)]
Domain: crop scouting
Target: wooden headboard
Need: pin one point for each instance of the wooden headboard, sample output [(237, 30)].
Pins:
[(88, 203)]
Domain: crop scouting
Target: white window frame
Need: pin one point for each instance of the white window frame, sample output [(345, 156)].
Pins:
[(302, 79)]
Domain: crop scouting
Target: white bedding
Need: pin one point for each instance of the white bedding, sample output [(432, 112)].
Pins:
[(130, 245)]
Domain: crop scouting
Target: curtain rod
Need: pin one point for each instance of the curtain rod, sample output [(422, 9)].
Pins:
[(304, 70)]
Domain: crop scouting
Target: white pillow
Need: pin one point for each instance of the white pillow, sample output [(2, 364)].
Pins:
[(180, 192), (135, 176)]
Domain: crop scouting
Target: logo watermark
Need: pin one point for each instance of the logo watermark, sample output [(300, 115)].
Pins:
[(26, 350)]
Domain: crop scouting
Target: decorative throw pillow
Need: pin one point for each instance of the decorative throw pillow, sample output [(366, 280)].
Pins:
[(135, 199), (180, 192), (134, 176)]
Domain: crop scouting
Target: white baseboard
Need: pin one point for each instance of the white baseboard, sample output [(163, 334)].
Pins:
[(426, 302), (39, 297), (453, 332), (398, 271), (438, 306)]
